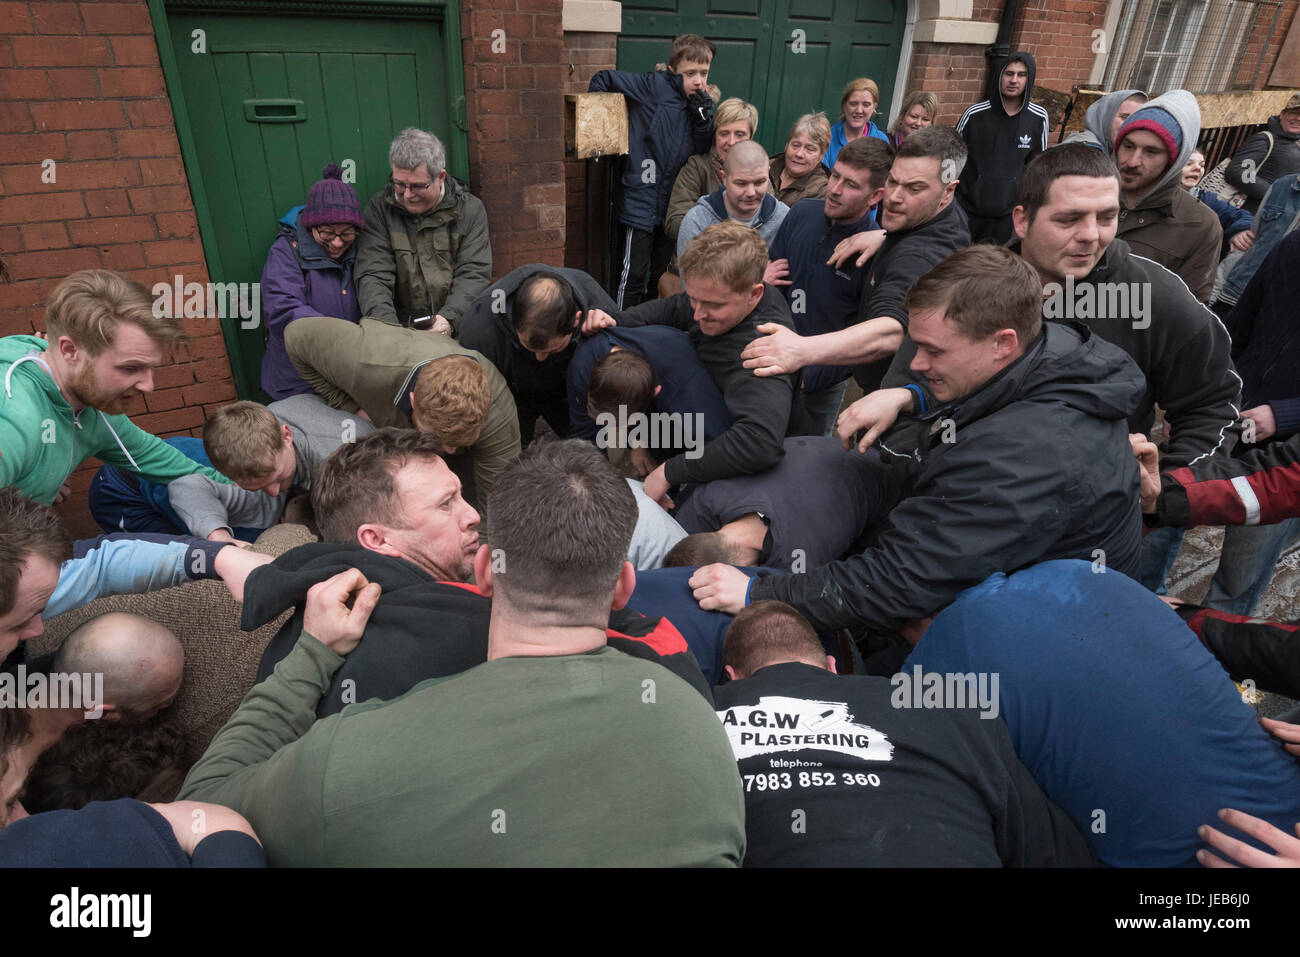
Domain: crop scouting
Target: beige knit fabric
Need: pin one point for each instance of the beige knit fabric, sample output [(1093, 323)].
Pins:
[(220, 660)]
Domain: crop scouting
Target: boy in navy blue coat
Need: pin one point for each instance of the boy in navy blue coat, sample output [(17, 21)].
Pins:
[(670, 119)]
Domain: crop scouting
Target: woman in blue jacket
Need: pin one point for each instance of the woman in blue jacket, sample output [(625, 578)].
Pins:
[(857, 106)]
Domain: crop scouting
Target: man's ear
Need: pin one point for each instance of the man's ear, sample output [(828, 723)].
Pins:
[(755, 296), (830, 664), (877, 195), (483, 569), (730, 672), (1005, 343), (658, 389), (287, 435), (625, 586), (577, 319), (374, 537), (1020, 220), (69, 351)]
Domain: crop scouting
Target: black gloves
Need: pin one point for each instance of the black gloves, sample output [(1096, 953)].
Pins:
[(701, 109)]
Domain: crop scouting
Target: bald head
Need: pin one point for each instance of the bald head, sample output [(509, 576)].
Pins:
[(141, 662), (745, 155), (744, 180)]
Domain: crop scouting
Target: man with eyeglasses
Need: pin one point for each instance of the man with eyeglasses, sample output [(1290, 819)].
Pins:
[(424, 253)]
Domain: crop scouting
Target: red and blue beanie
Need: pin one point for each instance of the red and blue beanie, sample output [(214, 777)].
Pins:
[(1158, 121), (330, 200)]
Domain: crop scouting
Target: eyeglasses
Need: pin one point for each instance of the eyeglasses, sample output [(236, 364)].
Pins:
[(327, 236), (407, 187)]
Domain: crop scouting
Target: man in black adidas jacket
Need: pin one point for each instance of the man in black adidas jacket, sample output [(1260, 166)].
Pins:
[(1003, 133), (1026, 459)]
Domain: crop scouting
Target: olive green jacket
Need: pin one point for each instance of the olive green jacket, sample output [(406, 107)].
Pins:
[(372, 366), (432, 264)]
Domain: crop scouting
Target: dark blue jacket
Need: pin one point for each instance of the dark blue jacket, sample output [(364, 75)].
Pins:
[(818, 501), (831, 298), (661, 128), (1276, 214), (685, 384), (122, 833), (1265, 337), (1233, 219)]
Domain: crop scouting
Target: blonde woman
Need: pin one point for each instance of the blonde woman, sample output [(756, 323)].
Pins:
[(919, 110), (857, 106)]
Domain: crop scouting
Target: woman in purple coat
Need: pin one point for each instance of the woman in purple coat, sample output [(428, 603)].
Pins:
[(309, 273)]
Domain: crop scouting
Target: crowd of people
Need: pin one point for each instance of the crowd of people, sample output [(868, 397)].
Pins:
[(620, 576)]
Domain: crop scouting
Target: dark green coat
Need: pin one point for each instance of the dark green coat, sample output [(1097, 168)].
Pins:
[(432, 264)]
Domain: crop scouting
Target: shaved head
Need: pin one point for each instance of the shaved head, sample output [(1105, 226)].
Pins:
[(141, 662), (745, 155)]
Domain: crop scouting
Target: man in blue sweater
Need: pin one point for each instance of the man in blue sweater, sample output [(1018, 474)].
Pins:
[(825, 298)]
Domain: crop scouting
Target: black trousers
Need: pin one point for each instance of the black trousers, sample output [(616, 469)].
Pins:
[(644, 257)]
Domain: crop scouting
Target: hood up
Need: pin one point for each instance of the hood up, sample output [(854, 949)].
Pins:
[(995, 80), (1182, 106), (1101, 114)]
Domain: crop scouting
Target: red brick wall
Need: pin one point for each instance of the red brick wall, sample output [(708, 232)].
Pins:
[(1059, 33), (584, 55), (1247, 71), (80, 84), (515, 104)]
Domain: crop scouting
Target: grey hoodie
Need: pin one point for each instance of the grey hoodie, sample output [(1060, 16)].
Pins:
[(1097, 121), (1168, 224)]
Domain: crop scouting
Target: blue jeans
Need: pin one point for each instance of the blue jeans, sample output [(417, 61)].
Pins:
[(816, 412), (1159, 552), (1246, 564)]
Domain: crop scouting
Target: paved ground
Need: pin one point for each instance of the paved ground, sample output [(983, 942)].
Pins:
[(1195, 567)]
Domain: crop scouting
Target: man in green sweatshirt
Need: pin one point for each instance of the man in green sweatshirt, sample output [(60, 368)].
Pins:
[(558, 750), (63, 400)]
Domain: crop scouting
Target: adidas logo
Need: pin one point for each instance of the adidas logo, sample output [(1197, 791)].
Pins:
[(1024, 141)]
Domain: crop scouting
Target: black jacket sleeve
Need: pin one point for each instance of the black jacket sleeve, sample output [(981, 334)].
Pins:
[(974, 513), (760, 414), (1256, 151), (674, 311), (1200, 393), (1265, 652)]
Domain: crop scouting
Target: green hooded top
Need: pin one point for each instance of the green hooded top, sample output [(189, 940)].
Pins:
[(42, 440)]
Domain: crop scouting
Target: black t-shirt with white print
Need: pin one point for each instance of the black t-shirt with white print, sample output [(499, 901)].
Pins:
[(835, 774)]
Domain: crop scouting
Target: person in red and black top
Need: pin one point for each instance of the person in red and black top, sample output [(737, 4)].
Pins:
[(1259, 488), (389, 506)]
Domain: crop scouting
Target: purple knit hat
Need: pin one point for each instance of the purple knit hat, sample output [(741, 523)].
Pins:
[(330, 200)]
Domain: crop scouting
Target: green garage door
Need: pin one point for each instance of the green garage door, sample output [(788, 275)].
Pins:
[(263, 100), (787, 57)]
